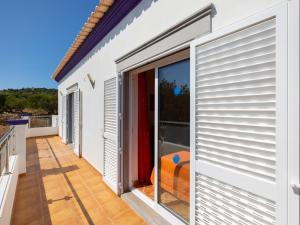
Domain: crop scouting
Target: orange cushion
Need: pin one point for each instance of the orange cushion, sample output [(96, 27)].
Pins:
[(175, 178)]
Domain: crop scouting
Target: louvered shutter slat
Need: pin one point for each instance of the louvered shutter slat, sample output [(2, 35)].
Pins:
[(254, 67), (245, 95), (238, 206), (255, 32)]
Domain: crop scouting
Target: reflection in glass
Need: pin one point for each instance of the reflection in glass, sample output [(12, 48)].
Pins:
[(174, 138)]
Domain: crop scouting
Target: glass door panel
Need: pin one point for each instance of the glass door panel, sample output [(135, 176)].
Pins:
[(174, 138)]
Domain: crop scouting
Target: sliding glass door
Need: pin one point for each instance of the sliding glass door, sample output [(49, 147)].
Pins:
[(174, 138)]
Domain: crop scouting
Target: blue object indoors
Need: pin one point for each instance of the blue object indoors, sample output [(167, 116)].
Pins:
[(176, 159), (177, 91)]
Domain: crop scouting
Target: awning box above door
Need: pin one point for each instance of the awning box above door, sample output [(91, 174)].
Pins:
[(194, 26)]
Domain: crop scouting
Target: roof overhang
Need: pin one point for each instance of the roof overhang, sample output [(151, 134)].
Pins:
[(105, 17)]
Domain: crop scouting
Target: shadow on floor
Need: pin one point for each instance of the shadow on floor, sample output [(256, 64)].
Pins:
[(63, 172), (31, 201), (61, 189)]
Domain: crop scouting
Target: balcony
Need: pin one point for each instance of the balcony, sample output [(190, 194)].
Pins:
[(59, 188)]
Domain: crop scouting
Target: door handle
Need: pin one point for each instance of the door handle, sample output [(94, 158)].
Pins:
[(296, 188)]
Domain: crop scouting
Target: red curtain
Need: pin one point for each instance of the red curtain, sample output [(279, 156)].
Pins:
[(144, 151)]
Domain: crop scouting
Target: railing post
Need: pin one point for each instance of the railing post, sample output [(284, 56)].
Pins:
[(14, 142), (54, 120), (7, 156)]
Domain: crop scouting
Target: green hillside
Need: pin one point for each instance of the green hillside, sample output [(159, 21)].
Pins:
[(30, 100)]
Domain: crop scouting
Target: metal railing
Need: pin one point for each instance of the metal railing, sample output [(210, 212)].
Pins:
[(40, 121), (175, 132), (7, 149), (175, 123)]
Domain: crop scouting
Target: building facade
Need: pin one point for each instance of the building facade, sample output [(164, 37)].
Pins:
[(191, 105)]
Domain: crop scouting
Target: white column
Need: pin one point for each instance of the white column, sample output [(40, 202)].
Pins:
[(54, 121)]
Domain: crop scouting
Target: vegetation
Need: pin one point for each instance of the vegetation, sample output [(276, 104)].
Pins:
[(169, 101), (28, 100)]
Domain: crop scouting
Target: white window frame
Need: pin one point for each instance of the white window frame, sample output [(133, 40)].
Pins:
[(293, 109), (166, 59), (71, 90)]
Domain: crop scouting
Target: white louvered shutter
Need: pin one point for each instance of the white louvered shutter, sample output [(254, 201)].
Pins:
[(110, 133), (64, 118), (73, 120), (67, 129), (77, 122), (239, 128)]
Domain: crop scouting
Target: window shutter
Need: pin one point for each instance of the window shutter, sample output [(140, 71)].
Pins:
[(77, 122), (64, 118), (110, 133), (238, 126)]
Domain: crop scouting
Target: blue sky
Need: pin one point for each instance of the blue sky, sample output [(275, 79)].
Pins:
[(34, 36)]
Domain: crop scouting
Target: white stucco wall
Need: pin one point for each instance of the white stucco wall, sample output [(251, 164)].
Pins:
[(41, 131), (20, 136), (9, 181), (146, 21)]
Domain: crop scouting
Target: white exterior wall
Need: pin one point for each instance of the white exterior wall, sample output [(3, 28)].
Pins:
[(41, 131), (20, 136), (44, 131), (147, 20)]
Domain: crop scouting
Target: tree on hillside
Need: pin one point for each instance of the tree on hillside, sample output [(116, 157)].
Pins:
[(15, 104), (43, 101), (2, 103), (32, 99)]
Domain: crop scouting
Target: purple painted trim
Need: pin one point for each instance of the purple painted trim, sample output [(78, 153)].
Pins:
[(25, 114), (114, 15), (16, 122)]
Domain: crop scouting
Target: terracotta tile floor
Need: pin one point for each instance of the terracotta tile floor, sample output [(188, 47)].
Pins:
[(59, 188)]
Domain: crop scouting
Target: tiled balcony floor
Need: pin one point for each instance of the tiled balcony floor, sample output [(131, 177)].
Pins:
[(59, 188)]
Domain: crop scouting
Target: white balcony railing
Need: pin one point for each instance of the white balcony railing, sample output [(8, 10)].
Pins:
[(13, 156), (7, 149), (42, 125), (12, 163), (40, 121)]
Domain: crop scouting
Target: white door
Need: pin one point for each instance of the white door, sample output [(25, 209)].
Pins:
[(111, 162), (77, 122), (239, 117)]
